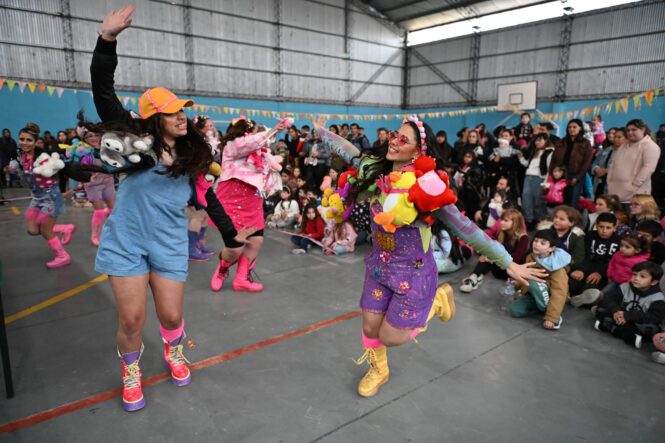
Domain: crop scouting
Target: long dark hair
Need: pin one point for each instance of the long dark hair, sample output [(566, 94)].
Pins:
[(382, 166), (239, 129), (192, 153)]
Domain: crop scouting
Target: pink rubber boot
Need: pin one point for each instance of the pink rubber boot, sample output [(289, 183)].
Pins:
[(61, 257), (97, 221), (67, 232), (220, 274), (243, 282)]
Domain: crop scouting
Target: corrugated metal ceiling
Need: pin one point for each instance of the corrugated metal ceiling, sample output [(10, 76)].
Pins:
[(419, 14)]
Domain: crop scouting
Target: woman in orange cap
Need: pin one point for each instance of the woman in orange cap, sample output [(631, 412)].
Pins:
[(144, 242)]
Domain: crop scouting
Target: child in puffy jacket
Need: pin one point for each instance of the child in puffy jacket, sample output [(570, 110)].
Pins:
[(554, 186), (342, 239), (632, 250)]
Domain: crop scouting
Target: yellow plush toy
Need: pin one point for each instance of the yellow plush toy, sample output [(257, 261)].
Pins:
[(397, 209), (335, 205)]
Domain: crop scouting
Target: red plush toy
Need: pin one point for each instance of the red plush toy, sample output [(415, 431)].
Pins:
[(344, 177), (431, 190)]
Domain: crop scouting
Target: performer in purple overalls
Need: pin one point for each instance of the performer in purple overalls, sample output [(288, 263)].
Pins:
[(400, 293)]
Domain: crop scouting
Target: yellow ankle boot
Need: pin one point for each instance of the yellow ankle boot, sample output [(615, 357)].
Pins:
[(443, 305), (378, 373)]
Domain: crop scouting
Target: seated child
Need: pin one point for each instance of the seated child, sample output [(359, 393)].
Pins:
[(565, 225), (632, 250), (650, 230), (342, 239), (623, 227), (512, 235), (495, 208), (549, 297), (634, 310), (286, 211), (312, 227), (449, 255), (591, 274)]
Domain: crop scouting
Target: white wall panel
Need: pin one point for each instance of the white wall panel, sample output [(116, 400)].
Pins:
[(373, 52), (515, 64), (519, 39), (232, 55), (366, 28), (232, 28), (456, 71), (313, 16), (445, 50), (260, 9), (312, 42), (363, 71), (221, 81), (35, 5), (386, 95), (296, 63), (636, 49), (31, 28), (36, 63), (619, 80), (636, 20), (435, 94), (314, 89), (148, 14)]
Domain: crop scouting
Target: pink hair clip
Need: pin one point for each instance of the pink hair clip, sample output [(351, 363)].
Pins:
[(421, 128)]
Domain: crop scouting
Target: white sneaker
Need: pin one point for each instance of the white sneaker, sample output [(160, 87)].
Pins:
[(557, 325), (587, 297), (638, 341), (471, 283), (596, 325), (658, 357), (298, 251)]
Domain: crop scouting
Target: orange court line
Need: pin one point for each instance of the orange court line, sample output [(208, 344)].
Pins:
[(210, 361)]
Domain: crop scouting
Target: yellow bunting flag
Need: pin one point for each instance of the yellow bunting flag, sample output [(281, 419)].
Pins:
[(32, 87)]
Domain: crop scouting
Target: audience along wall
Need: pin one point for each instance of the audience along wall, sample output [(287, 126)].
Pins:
[(320, 51), (605, 54)]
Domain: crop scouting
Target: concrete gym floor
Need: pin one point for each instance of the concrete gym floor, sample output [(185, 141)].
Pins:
[(484, 377)]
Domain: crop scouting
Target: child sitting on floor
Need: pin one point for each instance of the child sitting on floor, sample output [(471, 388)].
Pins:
[(342, 239), (549, 297), (286, 211), (591, 274), (513, 237), (632, 250), (634, 310), (650, 230), (312, 227)]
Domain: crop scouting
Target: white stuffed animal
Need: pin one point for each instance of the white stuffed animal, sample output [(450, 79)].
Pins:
[(116, 148), (48, 165)]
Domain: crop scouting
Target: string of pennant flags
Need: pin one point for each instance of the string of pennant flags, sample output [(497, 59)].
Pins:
[(617, 106)]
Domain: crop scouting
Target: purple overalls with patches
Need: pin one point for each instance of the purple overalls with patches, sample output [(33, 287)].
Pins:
[(400, 277)]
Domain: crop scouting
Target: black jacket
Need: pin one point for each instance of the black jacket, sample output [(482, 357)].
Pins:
[(598, 252), (109, 108), (615, 301)]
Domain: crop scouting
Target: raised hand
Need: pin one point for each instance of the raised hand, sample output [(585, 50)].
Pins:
[(116, 21), (320, 122)]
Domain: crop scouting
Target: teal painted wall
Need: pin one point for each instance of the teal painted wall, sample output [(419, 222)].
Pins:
[(54, 113)]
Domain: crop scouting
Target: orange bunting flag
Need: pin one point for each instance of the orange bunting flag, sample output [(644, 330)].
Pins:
[(2, 82), (648, 96), (41, 88)]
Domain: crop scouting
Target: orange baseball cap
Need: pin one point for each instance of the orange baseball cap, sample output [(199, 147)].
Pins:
[(161, 100)]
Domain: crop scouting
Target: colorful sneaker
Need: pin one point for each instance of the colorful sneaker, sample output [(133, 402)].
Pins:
[(176, 362), (132, 394), (471, 283)]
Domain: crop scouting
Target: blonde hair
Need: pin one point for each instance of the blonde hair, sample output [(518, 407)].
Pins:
[(513, 234), (650, 209)]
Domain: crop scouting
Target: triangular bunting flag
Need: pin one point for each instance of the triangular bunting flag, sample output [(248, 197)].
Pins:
[(59, 91), (41, 88), (125, 100), (132, 100), (51, 90), (11, 84), (2, 82), (21, 86), (648, 96), (32, 87)]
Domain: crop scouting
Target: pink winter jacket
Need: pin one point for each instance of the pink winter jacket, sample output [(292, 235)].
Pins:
[(620, 269), (249, 160), (348, 239), (554, 194)]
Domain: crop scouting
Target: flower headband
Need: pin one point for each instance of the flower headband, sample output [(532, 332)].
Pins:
[(423, 142)]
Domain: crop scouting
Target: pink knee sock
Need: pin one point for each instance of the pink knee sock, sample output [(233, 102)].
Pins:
[(414, 333), (172, 336), (371, 343), (98, 217)]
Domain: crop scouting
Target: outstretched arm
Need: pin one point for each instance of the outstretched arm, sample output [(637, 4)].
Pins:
[(471, 234), (338, 145)]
